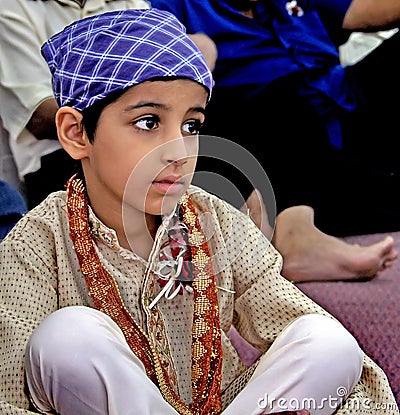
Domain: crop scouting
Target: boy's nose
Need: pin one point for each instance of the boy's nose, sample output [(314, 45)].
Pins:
[(177, 151), (179, 162)]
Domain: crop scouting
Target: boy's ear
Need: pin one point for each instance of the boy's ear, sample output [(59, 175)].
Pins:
[(71, 133)]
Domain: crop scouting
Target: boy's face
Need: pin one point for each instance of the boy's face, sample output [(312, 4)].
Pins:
[(145, 146)]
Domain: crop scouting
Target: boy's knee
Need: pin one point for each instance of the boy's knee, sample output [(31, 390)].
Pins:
[(68, 335), (330, 345), (327, 335)]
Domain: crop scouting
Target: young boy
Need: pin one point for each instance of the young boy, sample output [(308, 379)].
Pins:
[(117, 295)]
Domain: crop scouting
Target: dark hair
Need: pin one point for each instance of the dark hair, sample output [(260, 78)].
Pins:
[(90, 118), (91, 115)]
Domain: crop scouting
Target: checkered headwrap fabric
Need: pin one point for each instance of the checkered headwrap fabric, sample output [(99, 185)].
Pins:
[(98, 55)]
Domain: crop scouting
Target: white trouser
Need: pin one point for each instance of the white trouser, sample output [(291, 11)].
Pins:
[(78, 362)]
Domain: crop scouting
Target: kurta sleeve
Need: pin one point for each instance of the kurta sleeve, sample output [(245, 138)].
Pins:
[(27, 295)]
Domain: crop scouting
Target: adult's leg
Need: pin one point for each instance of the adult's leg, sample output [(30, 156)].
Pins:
[(78, 362), (314, 364)]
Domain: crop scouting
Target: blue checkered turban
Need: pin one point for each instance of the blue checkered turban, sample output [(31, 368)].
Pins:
[(98, 55)]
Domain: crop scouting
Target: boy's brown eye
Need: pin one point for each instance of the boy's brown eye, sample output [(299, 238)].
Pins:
[(147, 123), (192, 127)]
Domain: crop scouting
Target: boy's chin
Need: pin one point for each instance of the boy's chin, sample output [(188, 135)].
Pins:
[(169, 204)]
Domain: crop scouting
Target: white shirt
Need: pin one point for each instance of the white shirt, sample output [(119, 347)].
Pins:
[(25, 80), (360, 44)]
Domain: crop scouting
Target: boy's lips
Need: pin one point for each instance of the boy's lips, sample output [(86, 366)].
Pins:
[(169, 184)]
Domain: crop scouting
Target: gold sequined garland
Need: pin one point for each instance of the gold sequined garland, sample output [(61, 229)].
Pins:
[(206, 334)]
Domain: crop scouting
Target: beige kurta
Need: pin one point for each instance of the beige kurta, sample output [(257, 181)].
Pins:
[(40, 274)]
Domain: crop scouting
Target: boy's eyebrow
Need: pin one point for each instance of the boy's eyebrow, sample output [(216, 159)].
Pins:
[(198, 109), (142, 104)]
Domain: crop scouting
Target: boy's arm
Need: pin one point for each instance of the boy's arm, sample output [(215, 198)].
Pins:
[(27, 296)]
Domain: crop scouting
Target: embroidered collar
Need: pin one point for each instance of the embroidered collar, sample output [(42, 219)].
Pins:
[(103, 232), (173, 268), (109, 237)]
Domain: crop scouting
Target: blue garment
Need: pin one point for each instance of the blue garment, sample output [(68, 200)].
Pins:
[(255, 52), (12, 208)]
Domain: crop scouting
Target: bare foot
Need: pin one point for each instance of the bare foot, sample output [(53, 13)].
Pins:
[(311, 255)]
